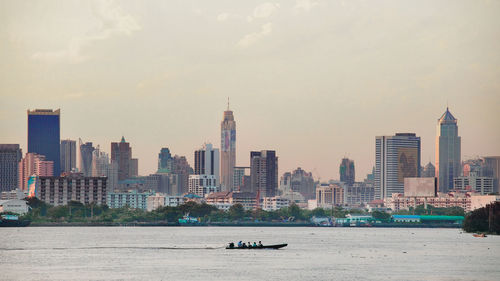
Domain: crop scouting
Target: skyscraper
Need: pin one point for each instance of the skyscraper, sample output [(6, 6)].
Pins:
[(85, 165), (448, 144), (264, 172), (228, 150), (10, 155), (103, 167), (396, 157), (68, 155), (44, 135), (347, 173), (121, 153), (165, 160), (492, 169), (206, 161)]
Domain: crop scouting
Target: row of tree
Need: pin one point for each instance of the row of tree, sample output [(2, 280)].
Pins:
[(78, 212), (485, 220)]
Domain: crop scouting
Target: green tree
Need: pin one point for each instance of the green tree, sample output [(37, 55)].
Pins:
[(236, 212)]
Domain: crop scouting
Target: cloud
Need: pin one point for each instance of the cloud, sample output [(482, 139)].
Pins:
[(265, 10), (251, 38), (305, 5), (112, 21)]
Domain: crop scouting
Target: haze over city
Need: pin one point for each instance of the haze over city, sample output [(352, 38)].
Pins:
[(313, 80)]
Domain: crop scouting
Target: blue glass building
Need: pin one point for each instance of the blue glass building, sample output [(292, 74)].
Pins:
[(44, 135)]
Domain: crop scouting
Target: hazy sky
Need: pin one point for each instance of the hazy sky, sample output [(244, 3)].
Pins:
[(314, 80)]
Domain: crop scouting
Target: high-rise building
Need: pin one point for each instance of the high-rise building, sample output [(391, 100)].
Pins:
[(85, 163), (34, 164), (396, 157), (346, 170), (44, 135), (206, 161), (228, 150), (121, 153), (298, 181), (182, 168), (429, 171), (68, 155), (103, 167), (165, 160), (448, 145), (492, 169), (238, 177), (264, 172), (10, 155)]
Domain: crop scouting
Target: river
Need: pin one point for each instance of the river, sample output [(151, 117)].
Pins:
[(197, 253)]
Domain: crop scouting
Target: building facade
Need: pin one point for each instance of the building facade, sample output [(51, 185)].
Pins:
[(206, 161), (347, 172), (228, 150), (396, 157), (481, 185), (103, 167), (10, 155), (202, 185), (264, 172), (44, 135), (239, 176), (448, 149), (132, 199), (68, 156), (59, 191), (329, 195), (165, 160), (429, 171), (359, 193)]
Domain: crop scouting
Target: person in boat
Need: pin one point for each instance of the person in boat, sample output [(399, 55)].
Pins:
[(244, 245), (254, 245), (249, 244), (240, 244), (260, 244), (231, 245)]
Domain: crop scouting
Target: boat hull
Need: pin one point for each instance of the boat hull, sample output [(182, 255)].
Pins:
[(277, 246)]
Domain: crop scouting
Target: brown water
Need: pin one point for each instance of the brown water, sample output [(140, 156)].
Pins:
[(197, 253)]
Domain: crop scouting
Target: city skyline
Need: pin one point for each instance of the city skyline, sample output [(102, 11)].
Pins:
[(314, 105)]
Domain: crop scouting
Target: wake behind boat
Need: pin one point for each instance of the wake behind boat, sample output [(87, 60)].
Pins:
[(231, 246)]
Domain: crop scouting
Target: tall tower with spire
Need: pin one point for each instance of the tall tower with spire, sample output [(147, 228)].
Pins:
[(448, 145), (228, 149)]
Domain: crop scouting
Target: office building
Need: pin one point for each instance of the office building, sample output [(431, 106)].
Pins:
[(182, 169), (10, 155), (396, 157), (448, 147), (347, 172), (121, 154), (492, 169), (68, 156), (134, 167), (34, 164), (473, 182), (228, 150), (264, 173), (44, 136), (59, 191), (85, 163), (206, 161), (359, 193), (329, 195)]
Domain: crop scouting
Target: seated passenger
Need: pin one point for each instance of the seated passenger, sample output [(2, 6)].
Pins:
[(231, 245), (240, 244), (260, 244), (254, 244), (244, 245), (249, 244)]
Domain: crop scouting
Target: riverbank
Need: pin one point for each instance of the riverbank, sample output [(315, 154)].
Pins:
[(231, 224)]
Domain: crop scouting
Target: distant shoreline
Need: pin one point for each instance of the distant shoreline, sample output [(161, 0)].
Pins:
[(258, 224)]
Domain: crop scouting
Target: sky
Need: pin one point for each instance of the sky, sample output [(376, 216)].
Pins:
[(314, 80)]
